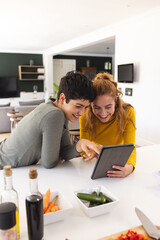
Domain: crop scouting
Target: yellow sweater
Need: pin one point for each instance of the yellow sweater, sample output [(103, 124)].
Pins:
[(108, 134)]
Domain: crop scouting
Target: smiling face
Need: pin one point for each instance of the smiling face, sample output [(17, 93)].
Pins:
[(74, 108), (103, 107)]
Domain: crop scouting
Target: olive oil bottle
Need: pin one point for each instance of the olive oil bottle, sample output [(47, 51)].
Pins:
[(9, 194)]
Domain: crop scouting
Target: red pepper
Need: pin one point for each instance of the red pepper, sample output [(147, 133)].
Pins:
[(131, 235)]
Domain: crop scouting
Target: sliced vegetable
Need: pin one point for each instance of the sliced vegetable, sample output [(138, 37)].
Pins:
[(91, 197), (55, 198), (91, 203), (54, 209), (94, 199), (95, 193), (131, 235), (108, 199), (50, 206), (46, 198)]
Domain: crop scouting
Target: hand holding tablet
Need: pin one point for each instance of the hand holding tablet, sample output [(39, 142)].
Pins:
[(109, 156)]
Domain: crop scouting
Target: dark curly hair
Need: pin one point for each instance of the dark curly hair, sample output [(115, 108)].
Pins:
[(75, 85)]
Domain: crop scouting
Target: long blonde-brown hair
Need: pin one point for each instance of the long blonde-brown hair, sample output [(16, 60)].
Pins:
[(105, 84)]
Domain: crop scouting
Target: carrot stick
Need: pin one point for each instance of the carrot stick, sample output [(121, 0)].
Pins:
[(46, 198), (51, 205), (54, 209)]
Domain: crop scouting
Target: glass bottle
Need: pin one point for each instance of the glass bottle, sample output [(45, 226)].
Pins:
[(9, 194), (34, 208), (8, 221)]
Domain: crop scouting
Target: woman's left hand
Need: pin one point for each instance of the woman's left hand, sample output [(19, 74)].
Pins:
[(123, 171)]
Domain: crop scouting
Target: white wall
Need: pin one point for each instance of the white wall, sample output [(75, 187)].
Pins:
[(138, 42), (48, 83)]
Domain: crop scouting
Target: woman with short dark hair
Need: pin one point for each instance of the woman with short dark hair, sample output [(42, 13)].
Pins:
[(43, 133)]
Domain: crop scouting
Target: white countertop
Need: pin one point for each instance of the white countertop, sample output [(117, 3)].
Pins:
[(140, 189)]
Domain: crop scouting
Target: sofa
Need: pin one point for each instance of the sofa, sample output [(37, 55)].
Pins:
[(5, 125), (24, 107)]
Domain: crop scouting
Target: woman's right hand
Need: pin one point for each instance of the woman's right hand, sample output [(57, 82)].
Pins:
[(91, 149), (93, 154)]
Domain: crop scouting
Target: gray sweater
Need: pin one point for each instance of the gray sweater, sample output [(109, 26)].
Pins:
[(42, 134)]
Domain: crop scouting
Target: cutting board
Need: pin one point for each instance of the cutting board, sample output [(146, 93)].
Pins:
[(139, 230)]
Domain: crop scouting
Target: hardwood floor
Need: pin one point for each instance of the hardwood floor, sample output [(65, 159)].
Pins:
[(3, 136)]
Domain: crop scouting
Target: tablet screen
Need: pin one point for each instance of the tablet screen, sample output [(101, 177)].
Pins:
[(109, 156)]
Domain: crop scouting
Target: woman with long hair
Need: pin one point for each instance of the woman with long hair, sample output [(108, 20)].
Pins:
[(110, 121)]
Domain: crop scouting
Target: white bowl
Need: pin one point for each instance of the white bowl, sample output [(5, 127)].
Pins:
[(97, 210), (64, 206), (157, 176)]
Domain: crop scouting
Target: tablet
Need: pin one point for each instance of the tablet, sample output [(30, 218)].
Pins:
[(109, 156)]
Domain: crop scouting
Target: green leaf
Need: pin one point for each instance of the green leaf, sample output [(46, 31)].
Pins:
[(56, 88)]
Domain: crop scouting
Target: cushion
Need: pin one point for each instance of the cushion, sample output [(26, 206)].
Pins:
[(33, 102), (5, 124)]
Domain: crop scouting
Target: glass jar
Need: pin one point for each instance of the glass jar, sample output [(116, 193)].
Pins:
[(9, 194), (8, 229)]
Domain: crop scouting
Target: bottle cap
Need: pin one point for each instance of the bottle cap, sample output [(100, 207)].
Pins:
[(7, 170), (7, 215), (33, 173)]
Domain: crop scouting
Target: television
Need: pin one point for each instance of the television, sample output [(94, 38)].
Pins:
[(126, 73), (8, 87)]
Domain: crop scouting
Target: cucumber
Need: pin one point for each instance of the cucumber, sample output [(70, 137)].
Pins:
[(108, 199), (94, 204), (92, 197), (94, 193), (91, 203)]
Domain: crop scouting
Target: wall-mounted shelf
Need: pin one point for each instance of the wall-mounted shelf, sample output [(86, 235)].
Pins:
[(30, 73)]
